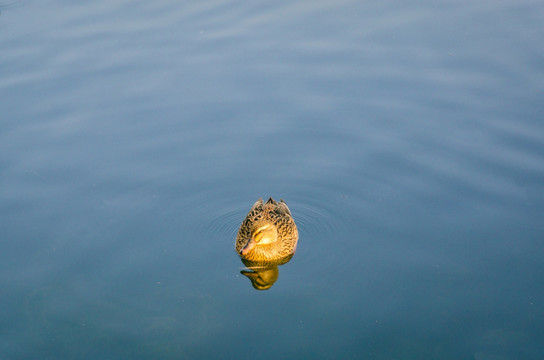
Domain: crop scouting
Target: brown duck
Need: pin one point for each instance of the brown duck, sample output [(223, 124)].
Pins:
[(268, 233)]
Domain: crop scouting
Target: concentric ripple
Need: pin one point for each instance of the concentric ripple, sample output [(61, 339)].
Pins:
[(325, 217)]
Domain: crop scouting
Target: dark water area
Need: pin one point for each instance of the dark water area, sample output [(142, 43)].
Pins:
[(407, 139)]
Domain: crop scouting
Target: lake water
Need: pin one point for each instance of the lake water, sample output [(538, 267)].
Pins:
[(406, 137)]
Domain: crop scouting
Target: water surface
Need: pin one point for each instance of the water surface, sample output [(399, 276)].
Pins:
[(406, 138)]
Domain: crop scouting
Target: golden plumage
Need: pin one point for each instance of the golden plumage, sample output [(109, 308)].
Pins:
[(268, 233)]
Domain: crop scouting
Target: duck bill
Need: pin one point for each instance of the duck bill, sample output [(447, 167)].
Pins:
[(249, 246)]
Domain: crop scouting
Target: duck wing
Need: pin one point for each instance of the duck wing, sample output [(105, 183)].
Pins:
[(283, 209)]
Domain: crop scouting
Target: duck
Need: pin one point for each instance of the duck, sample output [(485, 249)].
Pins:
[(268, 233)]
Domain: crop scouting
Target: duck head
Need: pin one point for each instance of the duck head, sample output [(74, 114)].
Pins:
[(262, 233)]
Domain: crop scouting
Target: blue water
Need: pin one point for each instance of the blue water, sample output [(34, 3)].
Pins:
[(406, 137)]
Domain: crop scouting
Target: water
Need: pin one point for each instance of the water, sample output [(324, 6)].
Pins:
[(406, 137)]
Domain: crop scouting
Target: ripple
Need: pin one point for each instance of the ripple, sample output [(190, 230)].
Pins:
[(224, 222), (6, 4), (323, 230), (324, 215), (316, 218)]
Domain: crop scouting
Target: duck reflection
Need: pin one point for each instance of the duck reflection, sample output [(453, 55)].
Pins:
[(263, 274), (266, 239)]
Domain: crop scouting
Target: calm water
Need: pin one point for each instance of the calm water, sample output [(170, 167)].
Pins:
[(406, 137)]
